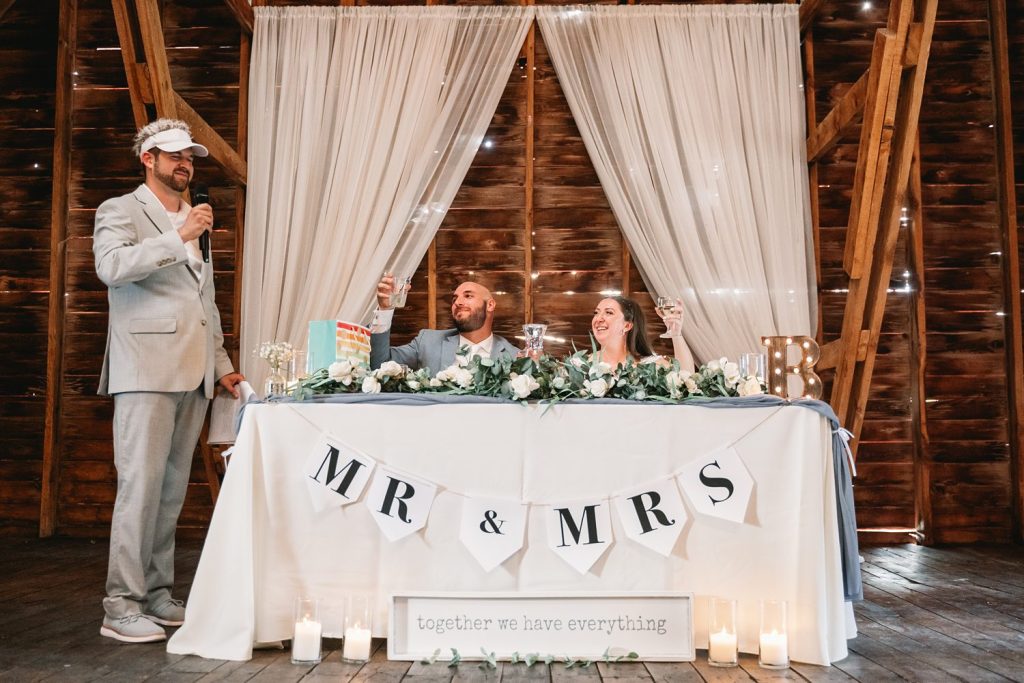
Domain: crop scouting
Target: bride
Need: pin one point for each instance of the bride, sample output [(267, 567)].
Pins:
[(620, 328)]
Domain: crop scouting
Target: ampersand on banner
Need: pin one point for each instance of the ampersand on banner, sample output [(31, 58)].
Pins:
[(492, 529), (490, 516)]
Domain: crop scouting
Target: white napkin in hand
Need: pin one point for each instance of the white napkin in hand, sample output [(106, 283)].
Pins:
[(225, 409)]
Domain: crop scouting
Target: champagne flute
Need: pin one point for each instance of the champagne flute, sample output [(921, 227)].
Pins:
[(534, 333), (666, 306)]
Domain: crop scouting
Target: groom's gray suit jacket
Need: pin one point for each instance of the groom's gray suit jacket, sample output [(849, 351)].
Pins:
[(164, 331), (434, 349)]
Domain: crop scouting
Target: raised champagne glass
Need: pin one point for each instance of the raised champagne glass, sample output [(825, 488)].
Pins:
[(666, 306)]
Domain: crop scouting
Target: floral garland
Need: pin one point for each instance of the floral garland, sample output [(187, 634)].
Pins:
[(545, 379)]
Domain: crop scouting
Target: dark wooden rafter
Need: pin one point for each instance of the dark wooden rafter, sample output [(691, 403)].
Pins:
[(808, 10), (432, 270), (59, 218), (530, 138), (149, 81), (811, 111), (1007, 212), (243, 14), (888, 137), (4, 6), (918, 354)]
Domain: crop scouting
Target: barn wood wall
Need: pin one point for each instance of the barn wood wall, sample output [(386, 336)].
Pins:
[(573, 242)]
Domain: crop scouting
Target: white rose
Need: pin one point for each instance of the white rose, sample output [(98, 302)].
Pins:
[(597, 387), (340, 370), (673, 381), (413, 384), (390, 368), (558, 382), (577, 362), (602, 368), (640, 395), (732, 373), (435, 382), (750, 387), (523, 385), (448, 374), (689, 382), (713, 366), (463, 377), (371, 385)]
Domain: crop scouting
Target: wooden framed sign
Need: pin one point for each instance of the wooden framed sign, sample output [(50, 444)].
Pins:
[(657, 626)]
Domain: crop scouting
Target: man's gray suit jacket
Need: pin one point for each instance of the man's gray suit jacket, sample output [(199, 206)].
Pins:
[(434, 349), (164, 332)]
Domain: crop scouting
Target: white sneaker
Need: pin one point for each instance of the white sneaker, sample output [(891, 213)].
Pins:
[(133, 628)]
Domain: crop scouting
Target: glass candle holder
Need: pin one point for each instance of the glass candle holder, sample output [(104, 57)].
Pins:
[(358, 628), (722, 632), (306, 638), (773, 651), (753, 365)]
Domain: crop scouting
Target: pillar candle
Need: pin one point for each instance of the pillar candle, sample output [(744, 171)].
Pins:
[(357, 644), (774, 649), (306, 641), (722, 646)]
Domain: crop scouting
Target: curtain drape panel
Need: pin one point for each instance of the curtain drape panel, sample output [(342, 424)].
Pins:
[(362, 125), (694, 119)]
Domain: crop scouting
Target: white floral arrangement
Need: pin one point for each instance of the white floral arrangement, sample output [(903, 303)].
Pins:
[(548, 379), (277, 354)]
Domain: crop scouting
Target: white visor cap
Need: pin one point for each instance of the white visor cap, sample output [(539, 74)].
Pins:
[(174, 140)]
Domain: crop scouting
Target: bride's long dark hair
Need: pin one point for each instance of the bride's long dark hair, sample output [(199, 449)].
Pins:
[(636, 339)]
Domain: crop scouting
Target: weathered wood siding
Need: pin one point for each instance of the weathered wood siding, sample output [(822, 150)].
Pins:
[(532, 221)]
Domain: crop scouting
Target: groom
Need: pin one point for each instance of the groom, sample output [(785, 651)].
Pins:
[(473, 313)]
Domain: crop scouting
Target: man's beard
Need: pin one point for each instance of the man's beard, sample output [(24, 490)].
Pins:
[(178, 183), (473, 322)]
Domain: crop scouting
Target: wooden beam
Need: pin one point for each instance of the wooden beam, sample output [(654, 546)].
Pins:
[(220, 151), (151, 31), (59, 216), (830, 354), (242, 143), (913, 48), (875, 149), (243, 14), (432, 284), (530, 48), (134, 71), (811, 114), (808, 10), (918, 354), (1011, 255), (870, 182), (838, 121), (4, 6), (905, 127)]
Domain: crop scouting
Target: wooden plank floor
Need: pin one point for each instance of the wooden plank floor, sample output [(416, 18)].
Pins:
[(929, 615)]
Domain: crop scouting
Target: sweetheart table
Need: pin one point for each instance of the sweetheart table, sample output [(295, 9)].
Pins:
[(268, 543)]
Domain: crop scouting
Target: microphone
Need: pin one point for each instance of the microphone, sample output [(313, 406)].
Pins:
[(201, 195)]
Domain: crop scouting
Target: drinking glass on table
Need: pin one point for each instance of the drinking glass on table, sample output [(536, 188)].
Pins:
[(667, 306), (534, 333)]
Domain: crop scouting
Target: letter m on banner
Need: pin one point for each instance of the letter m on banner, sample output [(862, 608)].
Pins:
[(579, 532), (336, 474)]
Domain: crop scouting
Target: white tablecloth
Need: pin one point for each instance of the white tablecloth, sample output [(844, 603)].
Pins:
[(267, 544)]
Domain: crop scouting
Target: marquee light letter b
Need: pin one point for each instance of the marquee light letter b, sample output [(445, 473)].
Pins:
[(779, 369)]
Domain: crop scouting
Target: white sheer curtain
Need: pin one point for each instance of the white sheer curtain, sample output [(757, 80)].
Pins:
[(362, 125), (693, 117)]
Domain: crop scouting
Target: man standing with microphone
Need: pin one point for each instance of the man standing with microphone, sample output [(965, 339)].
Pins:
[(164, 358)]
